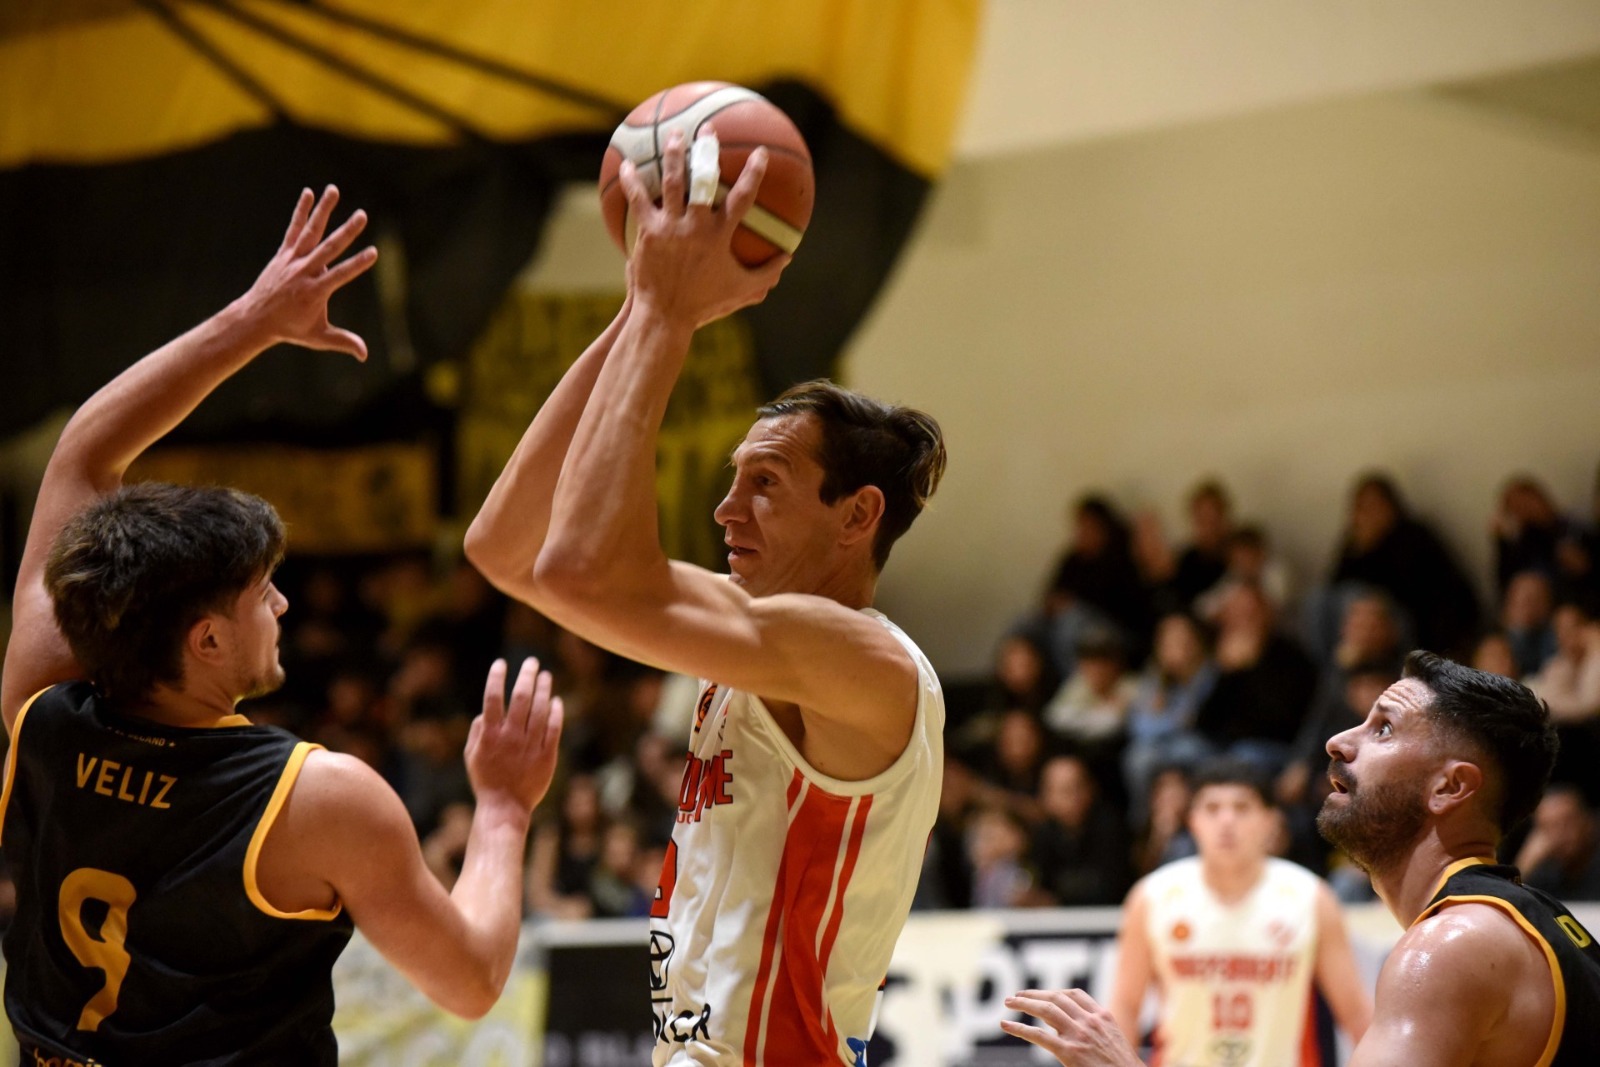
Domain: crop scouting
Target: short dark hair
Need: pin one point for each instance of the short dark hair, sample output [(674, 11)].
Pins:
[(866, 442), (131, 573), (1215, 490), (1228, 770), (1499, 717)]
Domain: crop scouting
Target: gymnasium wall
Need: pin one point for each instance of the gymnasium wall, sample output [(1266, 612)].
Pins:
[(1282, 300)]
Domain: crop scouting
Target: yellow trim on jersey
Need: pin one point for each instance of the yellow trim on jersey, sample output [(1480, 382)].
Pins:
[(11, 755), (291, 772), (1451, 871), (230, 720), (1559, 1022)]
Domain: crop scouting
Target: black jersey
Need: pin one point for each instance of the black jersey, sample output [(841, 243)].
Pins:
[(140, 935), (1571, 950)]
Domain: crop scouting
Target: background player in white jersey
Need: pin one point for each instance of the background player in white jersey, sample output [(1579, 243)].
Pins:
[(1233, 938), (815, 762)]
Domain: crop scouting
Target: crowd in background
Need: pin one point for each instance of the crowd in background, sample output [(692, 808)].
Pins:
[(1067, 771), (1141, 659)]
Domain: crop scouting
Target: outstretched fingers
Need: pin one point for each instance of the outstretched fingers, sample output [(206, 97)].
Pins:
[(297, 220), (339, 240), (524, 699), (494, 694), (317, 224)]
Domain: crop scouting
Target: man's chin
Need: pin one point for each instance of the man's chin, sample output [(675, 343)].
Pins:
[(266, 686)]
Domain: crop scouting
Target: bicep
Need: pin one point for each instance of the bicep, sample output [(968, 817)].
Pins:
[(805, 650), (362, 842), (37, 656)]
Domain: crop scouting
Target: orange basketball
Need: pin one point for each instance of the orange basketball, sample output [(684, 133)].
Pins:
[(743, 121)]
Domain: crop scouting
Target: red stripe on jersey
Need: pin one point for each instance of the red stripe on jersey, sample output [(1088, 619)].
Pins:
[(795, 1024), (769, 940), (858, 830), (1310, 1047)]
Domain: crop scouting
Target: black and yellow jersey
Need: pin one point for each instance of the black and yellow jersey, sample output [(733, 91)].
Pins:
[(140, 935), (1573, 956)]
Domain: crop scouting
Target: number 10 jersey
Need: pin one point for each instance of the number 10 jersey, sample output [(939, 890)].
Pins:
[(140, 934)]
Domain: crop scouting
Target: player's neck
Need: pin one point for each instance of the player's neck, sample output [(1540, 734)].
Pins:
[(1232, 880), (1408, 886), (853, 586), (185, 709)]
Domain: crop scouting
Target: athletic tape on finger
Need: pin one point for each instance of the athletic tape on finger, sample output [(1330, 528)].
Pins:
[(705, 169)]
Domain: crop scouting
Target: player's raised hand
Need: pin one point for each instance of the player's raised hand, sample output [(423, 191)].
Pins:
[(1077, 1031), (682, 260), (511, 750), (291, 295)]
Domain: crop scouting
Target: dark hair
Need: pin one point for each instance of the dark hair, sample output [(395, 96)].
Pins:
[(131, 573), (1215, 490), (1248, 536), (1227, 770), (1384, 485), (866, 442), (1499, 717)]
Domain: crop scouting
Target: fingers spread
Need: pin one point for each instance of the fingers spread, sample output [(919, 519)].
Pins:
[(1034, 1035), (339, 240), (357, 265), (318, 222), (302, 208), (494, 693), (522, 696)]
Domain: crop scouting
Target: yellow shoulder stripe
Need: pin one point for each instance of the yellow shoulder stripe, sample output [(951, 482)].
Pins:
[(280, 795), (11, 755), (1559, 1022)]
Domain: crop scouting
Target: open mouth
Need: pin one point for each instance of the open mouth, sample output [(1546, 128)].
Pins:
[(1338, 786)]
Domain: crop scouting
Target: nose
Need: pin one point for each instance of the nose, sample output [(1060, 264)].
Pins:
[(280, 603), (1341, 746), (733, 507)]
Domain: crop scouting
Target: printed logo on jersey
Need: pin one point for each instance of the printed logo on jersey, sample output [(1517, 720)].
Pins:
[(1180, 931), (706, 783), (1280, 933), (704, 707)]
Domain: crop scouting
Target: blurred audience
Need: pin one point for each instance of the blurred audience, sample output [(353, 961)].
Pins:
[(1385, 546), (1265, 683), (1560, 855), (1162, 714), (1080, 845), (1525, 618), (1098, 572)]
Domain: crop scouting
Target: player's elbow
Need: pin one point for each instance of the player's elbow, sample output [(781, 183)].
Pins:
[(569, 573), (473, 997)]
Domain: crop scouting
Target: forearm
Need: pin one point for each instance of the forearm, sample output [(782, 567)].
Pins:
[(510, 528), (488, 893), (604, 525)]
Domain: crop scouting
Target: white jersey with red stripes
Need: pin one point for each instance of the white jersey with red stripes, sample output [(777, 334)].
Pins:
[(784, 890), (1235, 978)]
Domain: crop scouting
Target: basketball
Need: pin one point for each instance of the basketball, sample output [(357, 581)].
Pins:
[(743, 121)]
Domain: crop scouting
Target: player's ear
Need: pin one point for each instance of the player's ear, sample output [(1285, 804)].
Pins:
[(1457, 782), (863, 512), (206, 640)]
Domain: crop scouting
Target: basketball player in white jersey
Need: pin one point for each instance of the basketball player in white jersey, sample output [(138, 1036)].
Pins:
[(1233, 939), (815, 758)]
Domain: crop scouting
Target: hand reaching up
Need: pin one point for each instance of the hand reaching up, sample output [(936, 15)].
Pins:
[(291, 295)]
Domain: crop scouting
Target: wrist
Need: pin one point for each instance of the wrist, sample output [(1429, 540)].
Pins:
[(660, 315), (248, 321), (496, 809)]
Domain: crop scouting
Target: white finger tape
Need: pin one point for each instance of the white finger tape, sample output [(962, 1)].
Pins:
[(705, 169)]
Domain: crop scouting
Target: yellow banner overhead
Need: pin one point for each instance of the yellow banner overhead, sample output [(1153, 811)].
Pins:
[(375, 498), (103, 80)]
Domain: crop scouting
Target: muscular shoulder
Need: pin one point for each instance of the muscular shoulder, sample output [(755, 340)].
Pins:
[(1471, 953), (339, 800)]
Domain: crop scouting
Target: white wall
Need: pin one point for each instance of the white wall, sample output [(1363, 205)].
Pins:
[(1282, 299)]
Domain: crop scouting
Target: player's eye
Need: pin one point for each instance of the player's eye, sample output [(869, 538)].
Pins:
[(1385, 729)]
